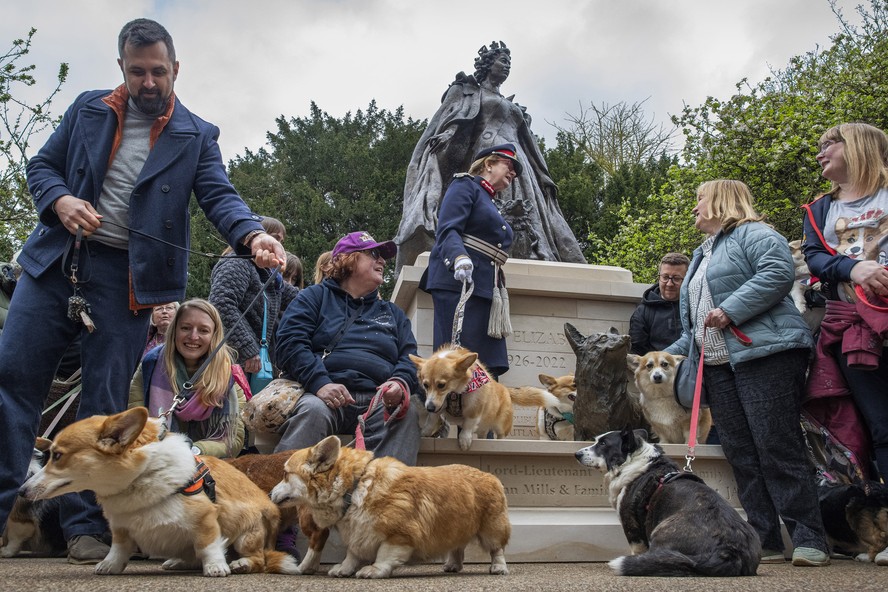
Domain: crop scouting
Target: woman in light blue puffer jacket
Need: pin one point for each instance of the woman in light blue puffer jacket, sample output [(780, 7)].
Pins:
[(741, 276)]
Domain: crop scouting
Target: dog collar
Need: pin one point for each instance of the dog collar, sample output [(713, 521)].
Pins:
[(454, 399), (347, 498), (201, 481), (550, 419), (669, 478)]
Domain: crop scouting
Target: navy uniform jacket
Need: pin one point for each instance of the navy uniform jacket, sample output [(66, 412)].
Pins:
[(185, 158), (467, 208)]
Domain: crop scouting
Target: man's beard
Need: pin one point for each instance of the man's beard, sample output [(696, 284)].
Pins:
[(151, 105)]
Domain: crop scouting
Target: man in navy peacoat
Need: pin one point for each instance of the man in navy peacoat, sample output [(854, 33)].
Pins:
[(133, 156)]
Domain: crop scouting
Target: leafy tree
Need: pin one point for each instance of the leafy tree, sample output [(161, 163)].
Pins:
[(767, 136), (322, 177), (18, 122)]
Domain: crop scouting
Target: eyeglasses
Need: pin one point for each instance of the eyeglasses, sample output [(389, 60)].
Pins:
[(162, 307), (827, 144), (374, 254), (675, 279)]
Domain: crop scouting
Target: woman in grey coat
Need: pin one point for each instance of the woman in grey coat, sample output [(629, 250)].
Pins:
[(741, 275)]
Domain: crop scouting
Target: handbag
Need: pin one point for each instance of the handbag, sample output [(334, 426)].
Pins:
[(686, 379), (686, 373), (259, 380), (268, 409)]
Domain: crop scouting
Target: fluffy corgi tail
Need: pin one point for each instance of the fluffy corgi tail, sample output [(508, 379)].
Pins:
[(667, 563), (281, 563), (531, 396)]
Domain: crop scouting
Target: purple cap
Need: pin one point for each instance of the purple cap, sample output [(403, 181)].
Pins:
[(362, 241)]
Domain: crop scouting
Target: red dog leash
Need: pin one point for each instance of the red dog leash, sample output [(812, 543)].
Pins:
[(698, 391)]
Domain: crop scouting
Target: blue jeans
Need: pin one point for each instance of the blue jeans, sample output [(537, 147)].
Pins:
[(36, 334), (756, 407), (312, 421)]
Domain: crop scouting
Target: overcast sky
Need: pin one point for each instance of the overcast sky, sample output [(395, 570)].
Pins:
[(244, 63)]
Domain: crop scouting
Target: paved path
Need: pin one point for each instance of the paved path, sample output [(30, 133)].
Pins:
[(56, 575)]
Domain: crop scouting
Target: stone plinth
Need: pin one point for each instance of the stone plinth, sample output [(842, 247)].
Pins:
[(559, 509), (543, 295)]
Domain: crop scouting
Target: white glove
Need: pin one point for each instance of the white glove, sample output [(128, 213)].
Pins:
[(462, 271)]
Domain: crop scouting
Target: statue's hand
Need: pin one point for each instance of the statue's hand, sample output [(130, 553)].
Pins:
[(439, 140)]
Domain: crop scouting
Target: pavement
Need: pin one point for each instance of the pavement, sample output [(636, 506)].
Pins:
[(54, 575)]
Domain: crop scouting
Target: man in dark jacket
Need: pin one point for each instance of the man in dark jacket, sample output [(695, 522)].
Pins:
[(124, 159), (655, 324)]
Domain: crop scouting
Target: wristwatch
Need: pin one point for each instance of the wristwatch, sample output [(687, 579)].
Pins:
[(250, 236), (195, 450)]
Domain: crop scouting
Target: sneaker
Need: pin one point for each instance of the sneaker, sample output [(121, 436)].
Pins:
[(809, 557), (87, 549), (770, 556)]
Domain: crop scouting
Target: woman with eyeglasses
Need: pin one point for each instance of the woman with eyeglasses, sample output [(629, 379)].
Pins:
[(735, 305), (846, 247), (161, 317), (344, 344), (471, 244)]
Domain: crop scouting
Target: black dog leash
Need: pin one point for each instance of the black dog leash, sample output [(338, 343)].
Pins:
[(188, 385), (175, 246)]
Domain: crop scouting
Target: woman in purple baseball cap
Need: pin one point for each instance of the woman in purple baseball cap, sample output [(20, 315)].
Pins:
[(345, 344)]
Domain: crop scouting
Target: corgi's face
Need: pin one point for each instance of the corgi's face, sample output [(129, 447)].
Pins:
[(92, 453), (319, 476), (653, 368), (446, 371), (563, 387)]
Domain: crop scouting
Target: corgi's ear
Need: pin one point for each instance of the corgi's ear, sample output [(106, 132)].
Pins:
[(324, 454), (42, 444), (547, 381), (632, 362), (417, 360), (465, 362), (121, 430)]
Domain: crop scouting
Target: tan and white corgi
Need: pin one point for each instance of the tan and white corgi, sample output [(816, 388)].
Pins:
[(389, 514), (555, 415), (654, 376), (460, 389), (154, 497)]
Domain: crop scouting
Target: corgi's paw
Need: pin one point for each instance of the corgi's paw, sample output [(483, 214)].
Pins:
[(216, 570), (239, 566), (339, 571), (452, 567), (499, 569), (373, 572), (465, 440), (107, 568)]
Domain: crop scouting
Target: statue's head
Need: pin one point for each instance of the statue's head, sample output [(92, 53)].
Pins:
[(487, 58)]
